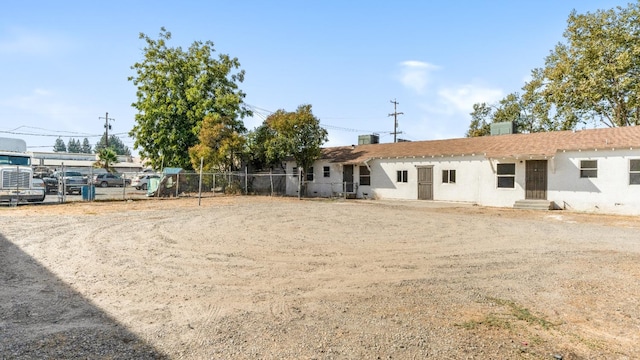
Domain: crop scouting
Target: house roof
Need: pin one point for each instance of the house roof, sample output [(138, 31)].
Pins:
[(544, 144)]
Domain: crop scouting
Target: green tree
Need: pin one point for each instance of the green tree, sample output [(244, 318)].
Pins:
[(220, 144), (106, 157), (481, 117), (294, 134), (256, 148), (73, 146), (59, 146), (177, 90), (114, 143), (86, 146), (591, 77), (594, 75)]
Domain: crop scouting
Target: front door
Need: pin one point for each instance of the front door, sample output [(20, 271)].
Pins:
[(347, 178), (425, 183), (536, 180)]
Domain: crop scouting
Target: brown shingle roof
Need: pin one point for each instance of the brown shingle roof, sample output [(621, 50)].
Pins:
[(515, 145)]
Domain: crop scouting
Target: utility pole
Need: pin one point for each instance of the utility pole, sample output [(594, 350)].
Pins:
[(107, 127), (395, 119)]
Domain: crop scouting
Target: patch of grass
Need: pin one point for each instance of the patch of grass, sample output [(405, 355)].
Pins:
[(522, 313), (491, 320), (504, 321)]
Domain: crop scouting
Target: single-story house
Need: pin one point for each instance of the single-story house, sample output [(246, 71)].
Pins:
[(595, 170)]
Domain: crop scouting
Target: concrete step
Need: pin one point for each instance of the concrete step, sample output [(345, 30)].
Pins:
[(533, 204)]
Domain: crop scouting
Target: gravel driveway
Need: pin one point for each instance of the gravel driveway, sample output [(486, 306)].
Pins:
[(280, 278)]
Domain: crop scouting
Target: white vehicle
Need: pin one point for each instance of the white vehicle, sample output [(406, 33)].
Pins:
[(16, 174), (142, 181)]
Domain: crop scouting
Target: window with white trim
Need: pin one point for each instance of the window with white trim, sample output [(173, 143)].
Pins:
[(506, 175), (588, 168), (403, 176), (448, 176), (634, 172), (365, 176)]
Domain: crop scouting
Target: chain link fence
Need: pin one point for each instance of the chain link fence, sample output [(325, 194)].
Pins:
[(210, 184), (137, 186)]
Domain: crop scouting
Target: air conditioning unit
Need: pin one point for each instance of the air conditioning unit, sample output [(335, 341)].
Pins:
[(368, 139)]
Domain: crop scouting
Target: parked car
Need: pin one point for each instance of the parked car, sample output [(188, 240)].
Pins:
[(73, 180), (106, 180), (51, 185), (142, 181)]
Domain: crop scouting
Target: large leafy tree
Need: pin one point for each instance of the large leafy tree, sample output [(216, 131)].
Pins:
[(177, 90), (114, 143), (591, 77), (294, 134), (513, 108), (220, 144)]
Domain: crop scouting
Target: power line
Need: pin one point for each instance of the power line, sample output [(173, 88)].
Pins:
[(43, 129), (263, 113), (339, 128)]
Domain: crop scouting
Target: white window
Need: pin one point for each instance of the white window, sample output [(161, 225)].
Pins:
[(506, 175), (634, 172), (448, 176), (588, 168), (365, 176), (402, 176)]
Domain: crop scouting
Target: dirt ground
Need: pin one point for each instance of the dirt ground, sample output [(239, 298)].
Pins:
[(280, 278)]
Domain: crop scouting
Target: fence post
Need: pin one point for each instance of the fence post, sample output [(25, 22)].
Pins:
[(246, 180), (90, 183), (177, 184), (200, 181), (64, 184), (17, 186), (271, 180)]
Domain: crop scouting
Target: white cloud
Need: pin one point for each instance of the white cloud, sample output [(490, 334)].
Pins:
[(462, 98), (415, 75)]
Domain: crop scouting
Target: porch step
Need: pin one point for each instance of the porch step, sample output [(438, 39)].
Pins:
[(533, 205)]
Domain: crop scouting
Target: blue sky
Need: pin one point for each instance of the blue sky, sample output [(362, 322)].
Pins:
[(64, 64)]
